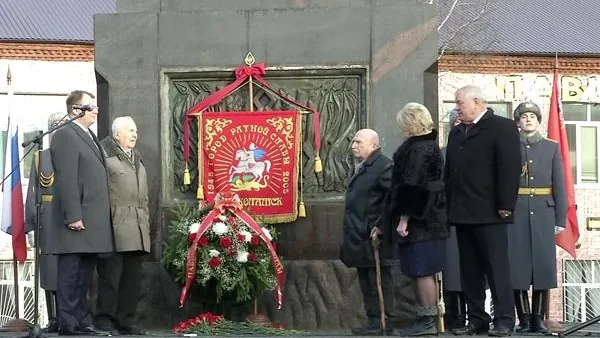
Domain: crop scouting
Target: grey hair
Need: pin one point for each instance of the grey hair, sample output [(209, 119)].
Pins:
[(473, 92), (54, 118), (119, 122)]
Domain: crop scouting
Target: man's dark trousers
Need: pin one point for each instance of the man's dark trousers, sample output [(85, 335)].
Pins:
[(368, 285), (75, 273), (483, 251), (119, 284)]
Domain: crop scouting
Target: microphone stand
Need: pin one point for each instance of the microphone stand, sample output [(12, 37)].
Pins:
[(35, 331)]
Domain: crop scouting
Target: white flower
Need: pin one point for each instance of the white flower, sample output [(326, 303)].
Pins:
[(194, 227), (222, 217), (268, 233), (219, 228), (247, 235), (242, 257), (214, 253)]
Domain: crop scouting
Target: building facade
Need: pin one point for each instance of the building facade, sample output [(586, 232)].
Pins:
[(510, 80)]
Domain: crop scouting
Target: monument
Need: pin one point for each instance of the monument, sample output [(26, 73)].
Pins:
[(355, 61)]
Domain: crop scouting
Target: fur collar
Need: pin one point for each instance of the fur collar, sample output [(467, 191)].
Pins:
[(426, 137), (533, 139)]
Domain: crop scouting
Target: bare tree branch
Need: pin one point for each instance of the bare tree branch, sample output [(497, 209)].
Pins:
[(457, 32), (447, 15)]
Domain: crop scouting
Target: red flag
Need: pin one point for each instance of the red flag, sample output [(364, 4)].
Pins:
[(567, 239)]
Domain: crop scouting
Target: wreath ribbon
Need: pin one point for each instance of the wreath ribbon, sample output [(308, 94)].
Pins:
[(235, 208)]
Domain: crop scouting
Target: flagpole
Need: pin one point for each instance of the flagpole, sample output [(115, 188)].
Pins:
[(17, 324)]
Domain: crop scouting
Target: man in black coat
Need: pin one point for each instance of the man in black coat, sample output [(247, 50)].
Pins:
[(369, 184), (482, 172), (82, 226)]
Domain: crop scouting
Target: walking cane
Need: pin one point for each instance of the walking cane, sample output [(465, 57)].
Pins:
[(376, 243), (440, 302)]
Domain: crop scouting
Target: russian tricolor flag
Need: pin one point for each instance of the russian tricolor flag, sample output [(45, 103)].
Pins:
[(13, 218)]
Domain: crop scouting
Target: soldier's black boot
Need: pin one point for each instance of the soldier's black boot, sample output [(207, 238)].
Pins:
[(523, 311), (51, 310), (373, 328), (537, 320)]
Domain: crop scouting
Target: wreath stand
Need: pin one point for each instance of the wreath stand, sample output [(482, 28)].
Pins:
[(251, 74)]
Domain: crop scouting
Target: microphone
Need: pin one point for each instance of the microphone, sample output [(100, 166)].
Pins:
[(84, 108)]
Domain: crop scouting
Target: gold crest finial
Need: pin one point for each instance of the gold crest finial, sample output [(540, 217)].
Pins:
[(249, 60)]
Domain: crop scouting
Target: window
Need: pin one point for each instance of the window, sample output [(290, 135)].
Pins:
[(582, 122), (581, 285), (500, 108)]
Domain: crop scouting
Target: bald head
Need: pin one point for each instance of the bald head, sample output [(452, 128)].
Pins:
[(365, 142)]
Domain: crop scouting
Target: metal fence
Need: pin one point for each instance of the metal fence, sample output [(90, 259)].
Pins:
[(26, 287)]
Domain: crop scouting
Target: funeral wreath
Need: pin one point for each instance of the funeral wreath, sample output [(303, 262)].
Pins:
[(223, 250)]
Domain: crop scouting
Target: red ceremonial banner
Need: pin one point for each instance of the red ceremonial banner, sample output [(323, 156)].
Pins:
[(254, 154)]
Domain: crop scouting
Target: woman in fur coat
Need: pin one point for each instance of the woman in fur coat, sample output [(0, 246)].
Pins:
[(417, 218)]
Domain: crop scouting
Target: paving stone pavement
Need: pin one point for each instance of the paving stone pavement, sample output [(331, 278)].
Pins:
[(328, 334)]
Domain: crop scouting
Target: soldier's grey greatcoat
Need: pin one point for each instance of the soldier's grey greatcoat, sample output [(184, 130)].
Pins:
[(81, 193), (48, 262), (531, 237)]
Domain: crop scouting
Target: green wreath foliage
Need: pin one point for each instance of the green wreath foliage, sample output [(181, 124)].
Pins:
[(233, 264)]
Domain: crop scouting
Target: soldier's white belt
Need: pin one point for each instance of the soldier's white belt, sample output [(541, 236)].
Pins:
[(535, 191)]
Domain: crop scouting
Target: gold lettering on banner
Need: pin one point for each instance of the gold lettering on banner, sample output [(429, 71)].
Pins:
[(280, 144), (249, 128), (262, 202)]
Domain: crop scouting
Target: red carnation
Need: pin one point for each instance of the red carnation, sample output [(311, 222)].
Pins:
[(255, 241), (240, 238), (252, 257), (232, 220), (214, 262), (232, 251), (225, 242), (203, 241)]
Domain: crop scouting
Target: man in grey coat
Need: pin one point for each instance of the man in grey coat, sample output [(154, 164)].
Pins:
[(540, 213), (82, 227), (120, 275), (48, 261)]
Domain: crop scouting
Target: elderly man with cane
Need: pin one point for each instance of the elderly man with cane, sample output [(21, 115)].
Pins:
[(369, 183)]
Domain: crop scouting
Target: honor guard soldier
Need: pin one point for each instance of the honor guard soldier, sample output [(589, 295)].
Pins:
[(42, 164), (540, 214)]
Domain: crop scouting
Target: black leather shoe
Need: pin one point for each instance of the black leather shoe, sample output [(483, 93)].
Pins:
[(500, 331), (131, 331), (370, 331), (62, 332), (93, 331), (471, 329), (52, 327)]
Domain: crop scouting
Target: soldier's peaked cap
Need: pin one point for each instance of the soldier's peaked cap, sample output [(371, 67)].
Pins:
[(528, 107)]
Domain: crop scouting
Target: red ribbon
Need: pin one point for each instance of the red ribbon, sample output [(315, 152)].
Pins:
[(232, 204), (241, 75)]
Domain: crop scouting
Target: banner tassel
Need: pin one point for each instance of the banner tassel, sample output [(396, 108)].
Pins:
[(301, 210), (318, 164), (186, 176)]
